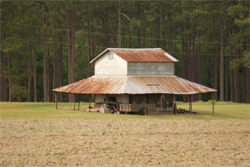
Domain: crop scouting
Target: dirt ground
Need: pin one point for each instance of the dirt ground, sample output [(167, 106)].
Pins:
[(81, 142)]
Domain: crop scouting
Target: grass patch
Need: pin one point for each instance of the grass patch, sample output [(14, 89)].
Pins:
[(31, 128), (223, 110)]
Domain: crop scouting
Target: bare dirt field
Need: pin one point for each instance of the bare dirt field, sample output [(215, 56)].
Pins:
[(105, 142)]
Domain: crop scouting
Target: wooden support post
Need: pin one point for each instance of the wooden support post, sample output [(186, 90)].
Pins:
[(189, 101), (74, 102), (56, 99), (116, 108), (190, 104), (213, 102), (161, 105), (78, 101), (89, 103), (107, 103), (175, 106), (145, 102), (126, 108)]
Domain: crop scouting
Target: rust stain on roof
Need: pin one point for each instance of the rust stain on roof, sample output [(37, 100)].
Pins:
[(94, 85), (168, 85), (140, 55), (134, 85)]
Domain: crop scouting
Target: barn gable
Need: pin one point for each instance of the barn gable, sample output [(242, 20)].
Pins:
[(110, 64), (119, 61)]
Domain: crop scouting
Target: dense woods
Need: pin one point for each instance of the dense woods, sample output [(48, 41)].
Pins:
[(49, 44)]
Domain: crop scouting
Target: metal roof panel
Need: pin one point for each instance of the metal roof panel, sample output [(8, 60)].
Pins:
[(140, 55), (134, 85)]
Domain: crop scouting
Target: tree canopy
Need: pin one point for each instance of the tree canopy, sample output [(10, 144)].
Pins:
[(46, 44)]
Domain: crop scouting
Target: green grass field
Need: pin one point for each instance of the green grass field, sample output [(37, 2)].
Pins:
[(223, 110)]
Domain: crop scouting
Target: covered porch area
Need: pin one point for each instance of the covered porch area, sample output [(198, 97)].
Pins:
[(139, 104), (136, 94)]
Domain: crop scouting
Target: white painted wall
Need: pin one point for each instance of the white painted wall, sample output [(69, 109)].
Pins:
[(151, 68), (106, 66), (99, 98)]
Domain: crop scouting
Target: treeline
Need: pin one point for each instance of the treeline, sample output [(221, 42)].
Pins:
[(49, 44)]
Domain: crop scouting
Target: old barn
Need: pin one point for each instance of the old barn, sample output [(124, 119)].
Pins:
[(138, 81)]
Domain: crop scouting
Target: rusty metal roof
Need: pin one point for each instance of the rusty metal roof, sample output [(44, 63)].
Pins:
[(140, 55), (134, 85)]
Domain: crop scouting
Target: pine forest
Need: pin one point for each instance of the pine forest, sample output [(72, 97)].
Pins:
[(48, 44)]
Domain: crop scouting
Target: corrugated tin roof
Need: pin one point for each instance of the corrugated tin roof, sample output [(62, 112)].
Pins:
[(134, 85), (95, 85), (140, 55)]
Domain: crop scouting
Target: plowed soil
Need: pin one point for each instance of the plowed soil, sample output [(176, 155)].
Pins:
[(81, 142)]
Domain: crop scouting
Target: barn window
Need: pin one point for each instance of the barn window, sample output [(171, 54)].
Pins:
[(110, 56)]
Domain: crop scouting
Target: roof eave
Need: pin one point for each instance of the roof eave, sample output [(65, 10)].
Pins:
[(97, 57)]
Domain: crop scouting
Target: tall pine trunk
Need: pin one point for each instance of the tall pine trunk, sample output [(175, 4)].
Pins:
[(70, 17), (9, 80), (48, 74), (183, 52), (163, 32), (56, 67), (72, 71), (129, 40), (29, 73), (92, 39), (199, 65), (215, 77), (168, 34), (226, 79), (184, 63), (221, 58), (89, 42), (214, 74), (34, 73), (245, 87), (3, 80), (192, 62), (119, 23), (45, 87), (114, 41), (157, 38), (236, 82), (231, 81), (60, 66)]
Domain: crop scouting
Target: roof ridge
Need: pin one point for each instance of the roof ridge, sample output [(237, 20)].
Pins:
[(139, 54), (135, 48)]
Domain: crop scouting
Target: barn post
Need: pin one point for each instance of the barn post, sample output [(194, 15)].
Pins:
[(161, 105), (106, 102), (78, 101), (74, 102), (213, 102), (116, 108), (190, 103), (175, 106), (89, 102), (145, 101), (56, 99)]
